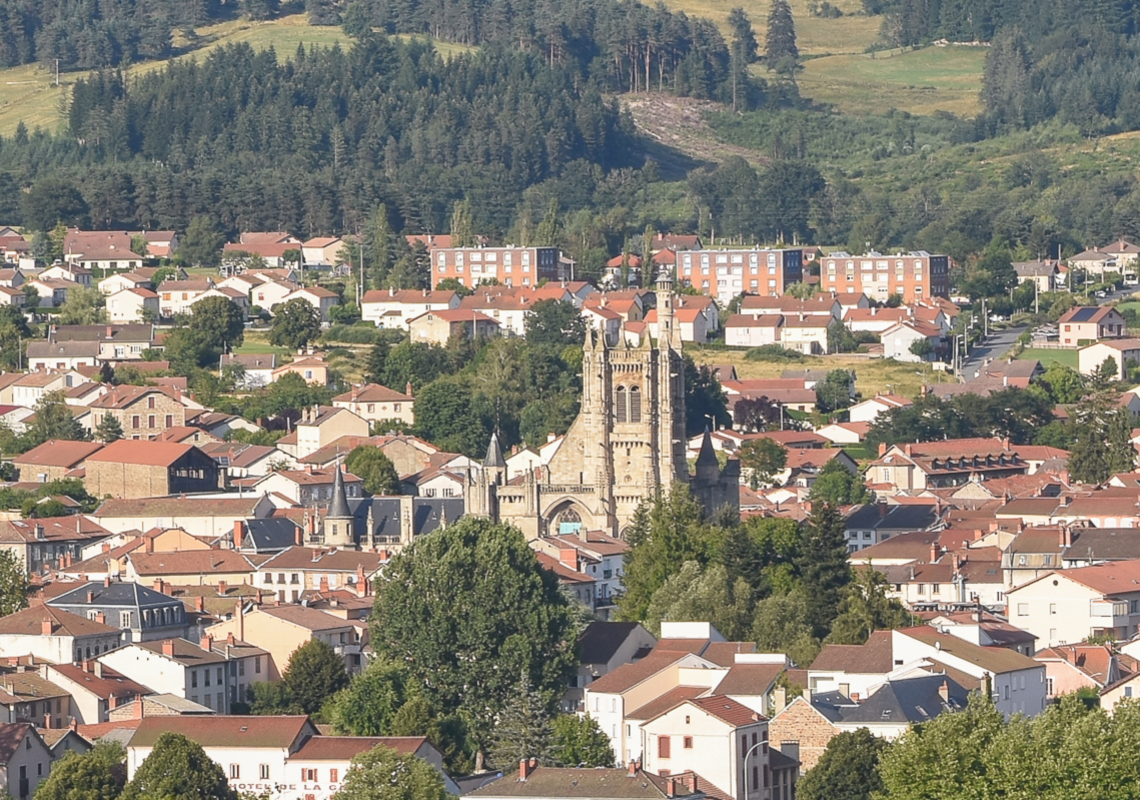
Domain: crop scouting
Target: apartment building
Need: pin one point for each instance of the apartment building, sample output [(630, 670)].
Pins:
[(725, 274), (914, 276), (511, 266)]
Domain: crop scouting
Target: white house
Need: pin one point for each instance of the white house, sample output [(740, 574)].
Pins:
[(178, 297), (1121, 351), (898, 339), (1071, 605), (318, 297), (178, 667), (868, 410), (133, 304), (393, 308), (377, 403)]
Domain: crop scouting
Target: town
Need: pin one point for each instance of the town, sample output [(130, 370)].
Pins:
[(703, 525)]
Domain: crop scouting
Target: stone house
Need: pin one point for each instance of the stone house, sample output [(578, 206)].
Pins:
[(143, 412), (129, 469)]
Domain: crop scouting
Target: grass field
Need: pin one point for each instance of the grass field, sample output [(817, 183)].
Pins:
[(871, 375), (1067, 358), (918, 81), (851, 33), (28, 93)]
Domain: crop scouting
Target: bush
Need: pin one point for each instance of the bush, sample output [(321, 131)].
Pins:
[(773, 352), (352, 334)]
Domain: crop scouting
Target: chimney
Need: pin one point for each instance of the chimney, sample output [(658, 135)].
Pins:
[(883, 510), (200, 604), (299, 538), (148, 543), (691, 782), (222, 588), (106, 547), (101, 618), (944, 692), (110, 332), (98, 668), (908, 449), (73, 725), (239, 534), (526, 767), (139, 713), (1066, 535), (158, 584), (933, 552), (207, 642), (670, 786), (324, 584), (107, 580), (90, 596), (854, 697), (408, 389), (230, 639), (45, 627), (882, 449), (240, 615), (633, 769), (168, 648)]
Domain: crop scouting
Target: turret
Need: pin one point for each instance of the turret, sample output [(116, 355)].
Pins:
[(339, 523)]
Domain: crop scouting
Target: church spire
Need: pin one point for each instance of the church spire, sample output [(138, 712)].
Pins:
[(494, 457)]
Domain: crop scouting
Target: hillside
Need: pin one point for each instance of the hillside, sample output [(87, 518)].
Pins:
[(29, 93)]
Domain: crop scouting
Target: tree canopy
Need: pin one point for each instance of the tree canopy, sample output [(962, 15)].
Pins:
[(178, 769)]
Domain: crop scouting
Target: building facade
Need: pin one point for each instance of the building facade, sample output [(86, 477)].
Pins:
[(913, 276), (725, 274)]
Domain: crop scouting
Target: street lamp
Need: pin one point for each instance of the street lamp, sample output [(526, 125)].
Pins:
[(747, 755)]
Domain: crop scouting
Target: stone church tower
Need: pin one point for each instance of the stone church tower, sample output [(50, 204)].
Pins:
[(627, 443)]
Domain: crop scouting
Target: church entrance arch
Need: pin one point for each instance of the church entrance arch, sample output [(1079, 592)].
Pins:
[(567, 516)]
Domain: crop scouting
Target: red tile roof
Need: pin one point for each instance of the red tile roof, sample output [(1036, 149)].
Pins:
[(727, 710), (140, 451), (344, 748), (224, 731), (58, 453)]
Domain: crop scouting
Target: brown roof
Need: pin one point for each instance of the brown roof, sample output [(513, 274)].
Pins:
[(112, 684), (749, 680), (565, 573), (441, 296), (190, 562), (308, 618), (727, 710), (339, 560), (179, 507), (29, 622), (123, 396), (666, 702), (1108, 579), (875, 657), (577, 783), (225, 731), (994, 659), (344, 748), (371, 393), (629, 675), (69, 528), (185, 652), (724, 653), (11, 737)]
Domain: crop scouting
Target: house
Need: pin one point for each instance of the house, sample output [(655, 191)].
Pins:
[(120, 342), (312, 367), (54, 635), (872, 523), (143, 412), (25, 759), (136, 304), (805, 334), (438, 327), (875, 320), (901, 337), (1093, 261), (95, 690), (377, 404), (323, 250), (602, 648), (281, 757), (320, 298), (121, 281), (821, 305), (753, 329), (12, 297), (1122, 351), (319, 427), (272, 254), (269, 293), (309, 487), (128, 469), (52, 292), (178, 667), (393, 308), (913, 276), (52, 460), (208, 517), (73, 272), (62, 355), (1043, 274), (1073, 667), (841, 433), (178, 296), (946, 463), (1073, 605), (281, 629), (45, 543), (252, 371), (1083, 325), (141, 613)]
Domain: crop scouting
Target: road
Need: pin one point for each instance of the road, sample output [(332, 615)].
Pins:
[(993, 347)]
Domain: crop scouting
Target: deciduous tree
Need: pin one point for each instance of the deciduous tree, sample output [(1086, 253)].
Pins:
[(368, 705), (315, 673), (764, 458), (178, 769), (579, 742), (469, 609), (847, 770), (376, 470), (295, 324), (385, 774)]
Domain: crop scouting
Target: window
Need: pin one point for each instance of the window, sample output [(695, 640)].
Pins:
[(663, 747), (333, 775), (1127, 690), (620, 404), (135, 420), (126, 619), (635, 404), (150, 401), (170, 420), (1052, 608), (1023, 609), (206, 675), (688, 743), (257, 665), (235, 771), (150, 420), (193, 679), (309, 775), (219, 676), (263, 772)]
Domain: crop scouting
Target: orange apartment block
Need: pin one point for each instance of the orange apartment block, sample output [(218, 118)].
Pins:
[(914, 276)]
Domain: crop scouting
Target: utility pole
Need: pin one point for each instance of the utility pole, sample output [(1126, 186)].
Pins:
[(57, 72)]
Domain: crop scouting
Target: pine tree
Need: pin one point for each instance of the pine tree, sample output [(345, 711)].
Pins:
[(745, 50), (523, 729), (780, 50), (462, 232), (380, 249), (823, 567), (109, 429), (547, 233)]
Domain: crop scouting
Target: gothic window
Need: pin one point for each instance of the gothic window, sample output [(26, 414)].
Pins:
[(635, 404), (620, 404)]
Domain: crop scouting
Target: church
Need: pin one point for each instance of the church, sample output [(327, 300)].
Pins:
[(627, 444)]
